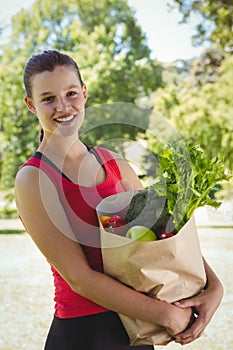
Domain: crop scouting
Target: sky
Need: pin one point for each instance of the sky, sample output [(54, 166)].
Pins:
[(167, 39)]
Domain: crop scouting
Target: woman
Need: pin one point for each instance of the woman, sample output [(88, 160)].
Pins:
[(57, 191)]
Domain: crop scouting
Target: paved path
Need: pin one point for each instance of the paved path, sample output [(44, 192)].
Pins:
[(26, 300)]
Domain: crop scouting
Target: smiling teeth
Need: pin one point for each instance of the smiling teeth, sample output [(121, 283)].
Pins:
[(65, 119)]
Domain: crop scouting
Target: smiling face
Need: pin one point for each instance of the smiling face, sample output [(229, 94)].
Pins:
[(58, 99)]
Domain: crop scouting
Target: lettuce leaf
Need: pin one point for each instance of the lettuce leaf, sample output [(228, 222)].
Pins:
[(185, 177)]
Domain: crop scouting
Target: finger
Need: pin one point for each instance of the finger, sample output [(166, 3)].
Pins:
[(187, 340), (187, 303), (188, 337), (193, 332)]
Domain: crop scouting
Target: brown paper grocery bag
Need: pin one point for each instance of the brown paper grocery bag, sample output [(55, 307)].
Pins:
[(169, 269)]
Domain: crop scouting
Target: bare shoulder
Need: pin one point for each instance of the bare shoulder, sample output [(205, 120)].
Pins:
[(29, 181), (26, 180), (26, 175), (130, 180), (32, 191)]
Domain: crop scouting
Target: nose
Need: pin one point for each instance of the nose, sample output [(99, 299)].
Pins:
[(62, 104)]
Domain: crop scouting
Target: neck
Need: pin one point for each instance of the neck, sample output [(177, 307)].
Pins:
[(54, 148)]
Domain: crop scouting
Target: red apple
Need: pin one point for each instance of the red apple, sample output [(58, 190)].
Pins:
[(165, 235)]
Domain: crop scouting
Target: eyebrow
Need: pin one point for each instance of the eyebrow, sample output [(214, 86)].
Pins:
[(68, 88)]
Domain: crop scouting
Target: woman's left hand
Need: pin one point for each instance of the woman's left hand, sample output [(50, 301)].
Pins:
[(204, 305)]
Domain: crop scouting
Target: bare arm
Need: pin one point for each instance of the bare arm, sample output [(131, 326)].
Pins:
[(205, 303), (43, 215)]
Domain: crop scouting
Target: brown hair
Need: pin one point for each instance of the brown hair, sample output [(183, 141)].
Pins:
[(46, 60)]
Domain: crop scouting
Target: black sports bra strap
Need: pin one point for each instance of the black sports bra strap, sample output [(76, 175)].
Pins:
[(41, 156), (92, 150)]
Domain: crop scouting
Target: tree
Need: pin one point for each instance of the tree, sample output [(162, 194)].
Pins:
[(202, 115), (206, 68), (104, 38), (216, 21), (111, 50), (19, 127)]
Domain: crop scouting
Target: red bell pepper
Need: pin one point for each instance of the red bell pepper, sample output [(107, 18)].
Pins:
[(114, 221)]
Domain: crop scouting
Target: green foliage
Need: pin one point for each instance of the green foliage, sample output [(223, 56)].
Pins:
[(177, 72), (19, 126), (202, 115), (206, 68), (110, 49), (103, 37), (186, 176), (216, 21), (8, 209), (111, 124), (148, 209), (8, 213), (185, 179), (11, 232)]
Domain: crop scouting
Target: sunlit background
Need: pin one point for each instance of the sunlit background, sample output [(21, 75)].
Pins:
[(131, 53)]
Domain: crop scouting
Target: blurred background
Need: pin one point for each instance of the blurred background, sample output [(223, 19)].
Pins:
[(172, 58)]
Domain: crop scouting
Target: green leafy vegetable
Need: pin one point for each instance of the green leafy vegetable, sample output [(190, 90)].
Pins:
[(185, 178), (148, 209)]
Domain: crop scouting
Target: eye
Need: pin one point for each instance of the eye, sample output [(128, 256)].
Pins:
[(71, 93), (48, 99)]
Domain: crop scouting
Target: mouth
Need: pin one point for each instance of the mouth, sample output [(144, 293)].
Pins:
[(64, 119)]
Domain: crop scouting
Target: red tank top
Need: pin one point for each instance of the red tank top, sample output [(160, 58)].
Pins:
[(79, 203)]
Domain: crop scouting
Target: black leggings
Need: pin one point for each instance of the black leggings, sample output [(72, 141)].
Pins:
[(103, 331)]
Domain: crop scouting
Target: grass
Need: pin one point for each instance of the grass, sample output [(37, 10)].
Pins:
[(8, 213), (11, 232)]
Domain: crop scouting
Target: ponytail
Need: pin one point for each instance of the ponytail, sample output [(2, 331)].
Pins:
[(41, 135)]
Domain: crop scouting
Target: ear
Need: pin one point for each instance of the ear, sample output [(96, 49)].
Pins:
[(30, 104), (85, 92)]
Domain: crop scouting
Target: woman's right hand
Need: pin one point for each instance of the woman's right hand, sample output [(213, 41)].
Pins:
[(179, 321)]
